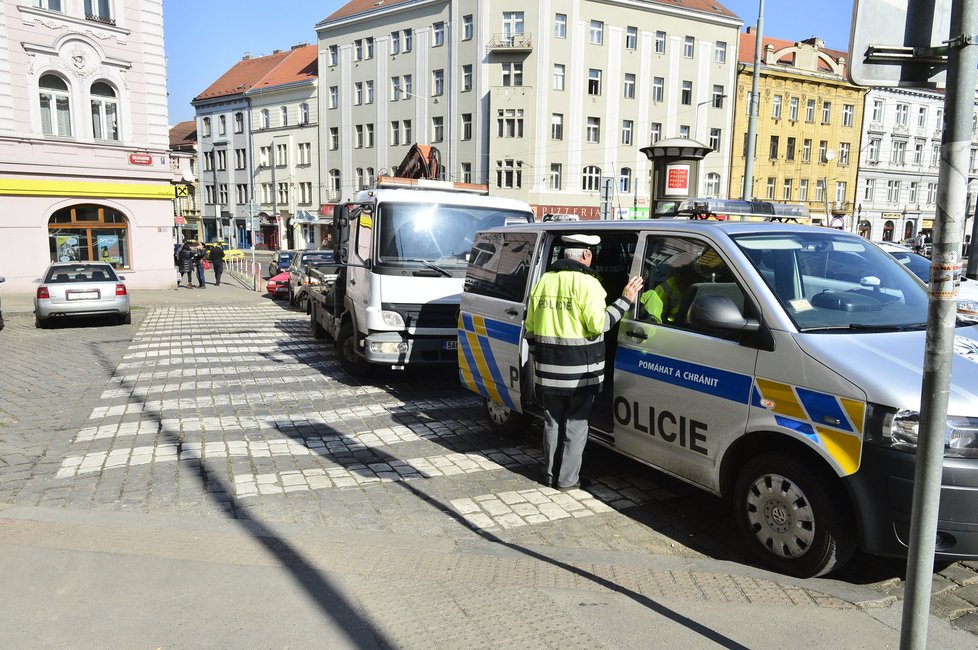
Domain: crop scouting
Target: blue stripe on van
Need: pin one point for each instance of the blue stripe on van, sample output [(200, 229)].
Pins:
[(824, 409), (804, 428), (702, 379), (505, 332)]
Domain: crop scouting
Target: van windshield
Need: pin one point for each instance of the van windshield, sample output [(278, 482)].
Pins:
[(831, 281), (435, 237)]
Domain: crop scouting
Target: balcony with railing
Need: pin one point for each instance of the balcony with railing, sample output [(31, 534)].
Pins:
[(105, 20), (517, 43)]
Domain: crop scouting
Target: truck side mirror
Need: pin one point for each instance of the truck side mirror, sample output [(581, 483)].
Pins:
[(344, 254)]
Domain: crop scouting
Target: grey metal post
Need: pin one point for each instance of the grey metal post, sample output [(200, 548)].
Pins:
[(962, 73), (747, 192)]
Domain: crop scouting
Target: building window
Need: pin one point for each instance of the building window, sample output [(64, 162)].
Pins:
[(806, 150), (467, 28), (438, 38), (688, 47), (395, 133), (466, 172), (820, 190), (625, 180), (305, 153), (358, 93), (438, 82), (369, 47), (50, 5), (560, 25), (627, 126), (877, 110), (281, 155), (509, 174), (826, 112), (773, 150), (803, 190), (892, 191), (918, 154), (873, 152), (105, 112), (557, 126), (333, 54), (368, 92), (912, 192), (334, 96), (467, 77), (512, 74), (593, 81), (239, 122), (683, 130), (266, 118), (596, 32), (718, 95), (369, 135), (810, 111), (902, 114), (899, 154), (284, 115), (283, 193), (240, 159), (209, 194), (720, 52), (408, 137), (843, 153), (591, 179), (466, 126), (712, 185), (776, 107), (395, 42), (555, 176), (303, 113), (408, 40), (510, 123), (558, 76), (655, 132), (658, 88), (408, 87), (660, 42), (222, 160), (823, 149), (437, 129), (935, 154), (786, 190), (358, 49), (770, 187), (241, 193), (89, 233), (629, 86), (686, 94), (264, 156), (631, 38), (931, 193), (869, 189), (840, 192), (222, 193), (793, 109), (334, 138), (334, 183), (715, 139), (593, 130), (305, 193), (55, 101), (848, 114)]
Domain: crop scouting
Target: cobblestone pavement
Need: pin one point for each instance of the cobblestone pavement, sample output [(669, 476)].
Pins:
[(235, 412)]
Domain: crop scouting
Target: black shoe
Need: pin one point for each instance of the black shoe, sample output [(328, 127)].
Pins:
[(580, 485)]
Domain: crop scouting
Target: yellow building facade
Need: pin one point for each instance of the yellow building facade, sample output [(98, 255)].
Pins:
[(808, 129)]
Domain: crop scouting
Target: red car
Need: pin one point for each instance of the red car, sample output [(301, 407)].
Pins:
[(278, 285)]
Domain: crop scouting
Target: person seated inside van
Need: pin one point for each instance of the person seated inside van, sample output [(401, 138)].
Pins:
[(662, 302)]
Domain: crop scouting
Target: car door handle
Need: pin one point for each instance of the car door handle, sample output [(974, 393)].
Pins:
[(513, 312), (638, 334)]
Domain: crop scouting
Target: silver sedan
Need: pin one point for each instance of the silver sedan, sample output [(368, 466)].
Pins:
[(81, 289)]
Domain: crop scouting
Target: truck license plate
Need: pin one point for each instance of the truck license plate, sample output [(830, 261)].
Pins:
[(450, 345)]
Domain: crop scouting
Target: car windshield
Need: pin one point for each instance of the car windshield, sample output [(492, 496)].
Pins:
[(319, 257), (832, 281), (285, 258), (435, 237), (81, 273)]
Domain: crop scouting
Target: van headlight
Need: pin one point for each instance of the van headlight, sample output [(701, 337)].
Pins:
[(899, 429), (391, 318)]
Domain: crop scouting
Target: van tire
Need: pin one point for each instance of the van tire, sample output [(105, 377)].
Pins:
[(504, 421), (794, 520), (346, 347)]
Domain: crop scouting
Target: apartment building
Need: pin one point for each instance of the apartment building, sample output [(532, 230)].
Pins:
[(899, 163), (84, 165), (541, 101), (183, 164), (808, 128)]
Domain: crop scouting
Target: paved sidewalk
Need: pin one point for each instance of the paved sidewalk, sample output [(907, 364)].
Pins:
[(209, 477)]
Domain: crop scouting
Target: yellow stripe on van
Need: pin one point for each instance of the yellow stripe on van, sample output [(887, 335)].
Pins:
[(479, 323), (856, 411), (483, 367), (783, 395), (845, 448)]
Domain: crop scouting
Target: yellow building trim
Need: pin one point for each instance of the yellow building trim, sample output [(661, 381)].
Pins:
[(84, 189)]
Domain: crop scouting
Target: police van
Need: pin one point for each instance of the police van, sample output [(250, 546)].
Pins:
[(775, 364)]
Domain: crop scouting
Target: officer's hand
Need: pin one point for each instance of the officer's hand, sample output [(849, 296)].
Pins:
[(630, 292)]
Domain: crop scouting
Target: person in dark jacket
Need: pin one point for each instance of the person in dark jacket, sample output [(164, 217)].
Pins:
[(566, 319), (187, 261), (200, 253), (217, 263)]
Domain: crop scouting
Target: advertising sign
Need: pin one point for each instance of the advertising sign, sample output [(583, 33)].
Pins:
[(677, 180), (108, 249), (68, 248)]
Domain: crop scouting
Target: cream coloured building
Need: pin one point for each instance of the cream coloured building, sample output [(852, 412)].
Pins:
[(541, 101), (84, 164)]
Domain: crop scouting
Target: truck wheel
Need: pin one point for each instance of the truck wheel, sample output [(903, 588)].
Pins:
[(346, 346), (318, 331), (504, 421), (793, 519)]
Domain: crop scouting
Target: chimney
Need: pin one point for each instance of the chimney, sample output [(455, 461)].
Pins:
[(246, 57)]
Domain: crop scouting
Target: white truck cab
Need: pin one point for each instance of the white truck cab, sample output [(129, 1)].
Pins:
[(777, 365)]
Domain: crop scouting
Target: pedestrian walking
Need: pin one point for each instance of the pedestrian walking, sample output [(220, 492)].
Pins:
[(565, 324), (200, 254), (186, 262), (217, 263)]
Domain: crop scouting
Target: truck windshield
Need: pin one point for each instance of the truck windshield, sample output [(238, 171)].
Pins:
[(829, 281), (434, 238)]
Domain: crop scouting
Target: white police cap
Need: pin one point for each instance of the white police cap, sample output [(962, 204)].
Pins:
[(581, 241)]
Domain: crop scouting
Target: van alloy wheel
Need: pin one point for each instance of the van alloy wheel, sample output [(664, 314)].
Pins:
[(504, 420)]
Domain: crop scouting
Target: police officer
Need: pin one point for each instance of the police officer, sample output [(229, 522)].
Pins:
[(566, 320)]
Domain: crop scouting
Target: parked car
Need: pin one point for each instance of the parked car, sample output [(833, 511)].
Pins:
[(2, 280), (278, 285), (81, 289), (281, 261), (920, 266), (298, 277)]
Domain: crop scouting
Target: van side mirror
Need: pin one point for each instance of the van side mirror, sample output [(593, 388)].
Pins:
[(721, 313)]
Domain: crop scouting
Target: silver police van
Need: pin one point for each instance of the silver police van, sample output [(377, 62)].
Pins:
[(777, 365)]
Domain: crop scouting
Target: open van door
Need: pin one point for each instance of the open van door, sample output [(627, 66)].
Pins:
[(492, 355)]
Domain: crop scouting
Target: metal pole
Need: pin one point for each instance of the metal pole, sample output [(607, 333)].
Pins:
[(747, 191), (251, 215), (962, 73)]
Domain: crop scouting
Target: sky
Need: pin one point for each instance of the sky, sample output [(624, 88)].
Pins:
[(204, 39)]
